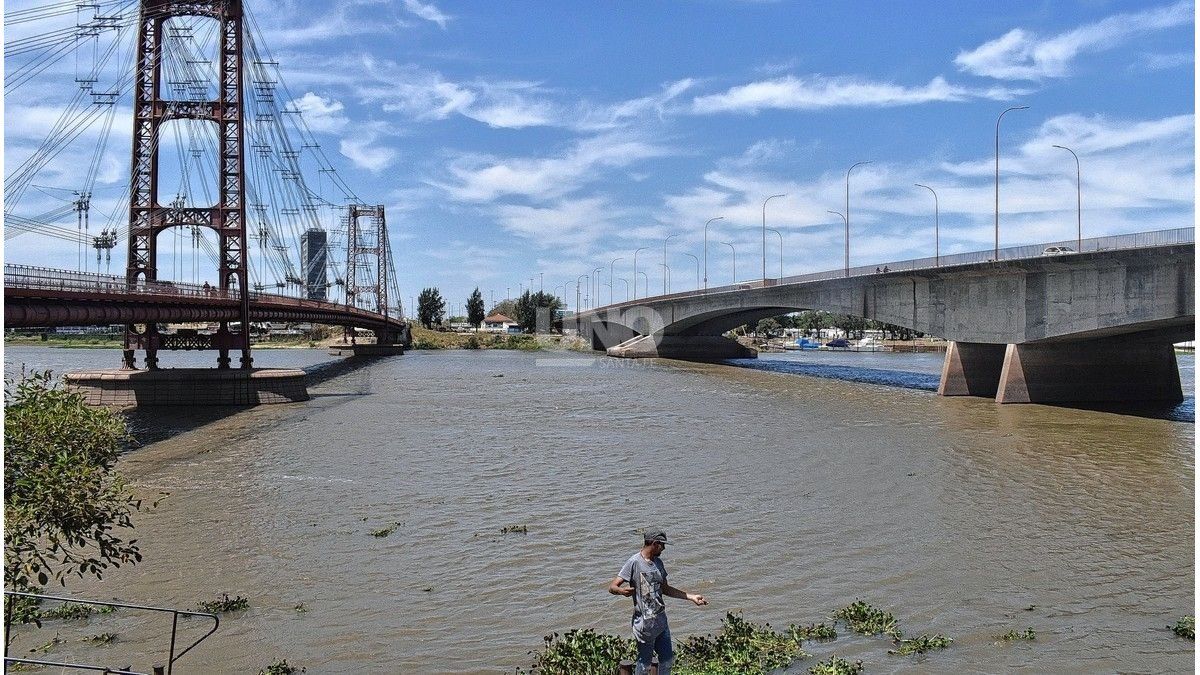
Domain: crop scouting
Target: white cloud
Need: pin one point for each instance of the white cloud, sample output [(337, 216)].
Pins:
[(484, 179), (568, 224), (354, 18), (321, 114), (1022, 55), (1153, 62), (363, 149), (819, 92), (427, 11)]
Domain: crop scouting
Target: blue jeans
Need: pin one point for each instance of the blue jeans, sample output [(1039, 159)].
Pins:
[(646, 650)]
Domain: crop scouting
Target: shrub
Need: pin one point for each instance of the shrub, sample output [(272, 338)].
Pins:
[(861, 617), (1185, 627)]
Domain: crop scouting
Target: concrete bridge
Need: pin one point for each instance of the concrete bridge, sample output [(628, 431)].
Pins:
[(1096, 325)]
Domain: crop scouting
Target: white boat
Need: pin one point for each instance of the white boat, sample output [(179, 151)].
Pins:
[(870, 344)]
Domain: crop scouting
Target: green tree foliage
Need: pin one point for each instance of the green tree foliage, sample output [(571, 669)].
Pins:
[(475, 308), (431, 307), (506, 307), (768, 328), (811, 322), (525, 312), (63, 503)]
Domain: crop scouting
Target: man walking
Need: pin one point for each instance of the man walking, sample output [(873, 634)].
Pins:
[(646, 577)]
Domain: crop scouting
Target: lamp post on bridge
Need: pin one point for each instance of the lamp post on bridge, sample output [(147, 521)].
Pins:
[(764, 236), (843, 217), (635, 273), (596, 287), (780, 235), (996, 255), (626, 282), (937, 260), (1078, 201), (710, 221), (666, 278), (666, 285), (578, 307), (610, 279), (733, 253), (647, 279), (697, 268), (846, 216)]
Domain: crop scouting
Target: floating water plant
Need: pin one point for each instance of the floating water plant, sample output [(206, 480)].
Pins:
[(68, 610), (861, 617), (1011, 635), (741, 647), (836, 665), (816, 631), (224, 604), (920, 645), (1185, 627), (46, 647), (100, 638), (581, 651), (385, 531), (300, 608), (515, 529), (280, 667)]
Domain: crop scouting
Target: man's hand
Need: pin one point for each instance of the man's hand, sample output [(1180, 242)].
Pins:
[(697, 599), (618, 587)]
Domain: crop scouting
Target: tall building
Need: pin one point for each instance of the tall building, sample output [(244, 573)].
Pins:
[(313, 256)]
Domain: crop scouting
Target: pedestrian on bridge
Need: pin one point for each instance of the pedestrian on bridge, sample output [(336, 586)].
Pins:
[(644, 578)]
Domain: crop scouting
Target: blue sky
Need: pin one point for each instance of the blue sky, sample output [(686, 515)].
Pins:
[(511, 139)]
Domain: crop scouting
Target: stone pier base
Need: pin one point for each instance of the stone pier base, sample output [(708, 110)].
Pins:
[(189, 387), (971, 369), (366, 350), (685, 348), (1091, 371)]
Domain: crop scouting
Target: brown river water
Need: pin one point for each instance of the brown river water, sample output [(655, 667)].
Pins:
[(789, 489)]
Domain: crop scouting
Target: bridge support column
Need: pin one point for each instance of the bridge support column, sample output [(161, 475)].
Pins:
[(971, 369), (682, 347), (1090, 371)]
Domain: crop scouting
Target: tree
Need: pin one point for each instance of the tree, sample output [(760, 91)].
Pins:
[(63, 503), (431, 308), (506, 307), (812, 321), (527, 307), (475, 308), (768, 328)]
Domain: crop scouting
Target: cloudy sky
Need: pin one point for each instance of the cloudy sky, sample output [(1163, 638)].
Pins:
[(544, 139)]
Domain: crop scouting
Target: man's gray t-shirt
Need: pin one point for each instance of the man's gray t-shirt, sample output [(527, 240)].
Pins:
[(647, 579)]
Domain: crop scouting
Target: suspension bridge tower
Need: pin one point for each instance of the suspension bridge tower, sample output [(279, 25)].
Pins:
[(147, 216)]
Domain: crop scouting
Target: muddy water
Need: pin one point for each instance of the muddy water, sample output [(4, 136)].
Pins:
[(787, 495)]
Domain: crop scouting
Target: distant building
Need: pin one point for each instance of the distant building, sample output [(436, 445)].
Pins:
[(314, 256), (498, 323)]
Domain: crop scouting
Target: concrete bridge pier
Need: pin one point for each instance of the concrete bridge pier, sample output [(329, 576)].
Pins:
[(1090, 371), (682, 347), (971, 369)]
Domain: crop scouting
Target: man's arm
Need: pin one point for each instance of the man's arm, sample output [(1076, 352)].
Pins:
[(617, 587), (672, 592)]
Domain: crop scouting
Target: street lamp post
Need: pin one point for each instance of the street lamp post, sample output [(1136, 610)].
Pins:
[(666, 285), (846, 217), (697, 268), (777, 232), (1078, 200), (847, 221), (733, 253), (635, 273), (578, 307), (541, 282), (626, 282), (666, 278), (764, 236), (710, 220), (646, 277), (996, 255), (937, 261), (596, 287), (610, 279)]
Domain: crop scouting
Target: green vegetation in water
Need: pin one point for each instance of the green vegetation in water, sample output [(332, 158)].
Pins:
[(514, 529), (69, 610), (1185, 627), (385, 531), (300, 608), (280, 667), (1012, 635), (100, 638), (582, 652), (925, 643), (46, 647), (817, 631), (836, 665), (861, 617), (224, 604)]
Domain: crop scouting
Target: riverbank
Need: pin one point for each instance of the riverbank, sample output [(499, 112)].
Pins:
[(423, 338)]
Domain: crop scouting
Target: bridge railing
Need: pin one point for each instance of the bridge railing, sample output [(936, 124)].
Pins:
[(1182, 235), (45, 278)]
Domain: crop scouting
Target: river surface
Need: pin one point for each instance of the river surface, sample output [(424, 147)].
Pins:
[(789, 487)]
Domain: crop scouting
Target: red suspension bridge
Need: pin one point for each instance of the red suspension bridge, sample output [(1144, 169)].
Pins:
[(229, 194)]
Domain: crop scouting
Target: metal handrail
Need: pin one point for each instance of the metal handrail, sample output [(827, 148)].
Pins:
[(175, 614), (1181, 235)]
